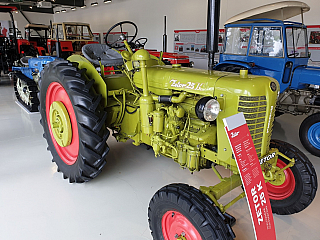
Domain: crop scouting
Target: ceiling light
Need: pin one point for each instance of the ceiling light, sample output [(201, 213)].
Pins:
[(63, 10), (30, 7), (83, 6), (57, 11), (94, 4), (73, 8), (16, 12), (107, 1)]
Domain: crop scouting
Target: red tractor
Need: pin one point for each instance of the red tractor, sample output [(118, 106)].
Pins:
[(37, 35), (72, 37)]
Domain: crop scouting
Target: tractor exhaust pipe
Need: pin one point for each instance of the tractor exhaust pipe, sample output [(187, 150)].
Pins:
[(164, 37), (212, 30)]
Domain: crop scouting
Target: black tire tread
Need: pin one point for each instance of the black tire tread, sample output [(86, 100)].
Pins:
[(92, 136), (308, 174), (33, 89), (207, 216)]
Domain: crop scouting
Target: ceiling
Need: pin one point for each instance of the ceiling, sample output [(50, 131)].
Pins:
[(31, 5)]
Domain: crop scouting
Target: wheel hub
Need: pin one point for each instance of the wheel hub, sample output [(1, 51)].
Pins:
[(282, 185), (60, 124), (279, 178), (176, 226), (314, 135)]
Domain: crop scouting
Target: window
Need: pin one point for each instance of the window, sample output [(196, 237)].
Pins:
[(296, 42), (266, 41), (237, 39), (60, 32)]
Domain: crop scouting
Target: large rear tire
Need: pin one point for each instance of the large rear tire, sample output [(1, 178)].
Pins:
[(179, 210), (309, 134), (73, 121), (300, 185)]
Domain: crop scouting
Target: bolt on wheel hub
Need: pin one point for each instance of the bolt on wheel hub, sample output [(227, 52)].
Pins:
[(280, 178), (60, 124)]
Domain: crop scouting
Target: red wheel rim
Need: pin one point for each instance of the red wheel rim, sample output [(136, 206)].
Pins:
[(56, 92), (284, 190), (174, 224)]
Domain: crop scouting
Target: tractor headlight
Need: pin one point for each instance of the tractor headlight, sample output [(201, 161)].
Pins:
[(207, 109)]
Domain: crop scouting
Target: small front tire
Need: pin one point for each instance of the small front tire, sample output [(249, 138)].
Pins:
[(179, 210), (300, 185)]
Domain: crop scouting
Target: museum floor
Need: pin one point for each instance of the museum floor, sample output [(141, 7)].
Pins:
[(37, 203)]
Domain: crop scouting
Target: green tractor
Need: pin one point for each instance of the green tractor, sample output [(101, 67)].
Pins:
[(179, 113)]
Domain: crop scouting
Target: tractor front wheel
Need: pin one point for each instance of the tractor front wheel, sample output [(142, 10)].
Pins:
[(309, 134), (299, 184), (179, 211), (73, 121)]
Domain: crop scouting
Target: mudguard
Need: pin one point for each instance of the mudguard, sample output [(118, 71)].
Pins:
[(99, 84)]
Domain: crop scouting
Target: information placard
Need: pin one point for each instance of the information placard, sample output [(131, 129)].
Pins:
[(314, 42), (251, 175), (194, 41)]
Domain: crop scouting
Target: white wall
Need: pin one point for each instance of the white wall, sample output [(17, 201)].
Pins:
[(33, 18), (181, 14)]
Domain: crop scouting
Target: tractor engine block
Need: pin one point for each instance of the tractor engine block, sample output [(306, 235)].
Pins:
[(298, 102)]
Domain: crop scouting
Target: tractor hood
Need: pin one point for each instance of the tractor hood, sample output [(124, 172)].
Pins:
[(300, 78), (163, 80)]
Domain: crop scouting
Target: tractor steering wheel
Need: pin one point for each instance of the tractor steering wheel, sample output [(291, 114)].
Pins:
[(130, 38), (140, 42), (295, 54)]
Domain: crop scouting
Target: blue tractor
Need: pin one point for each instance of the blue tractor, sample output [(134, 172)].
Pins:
[(262, 42)]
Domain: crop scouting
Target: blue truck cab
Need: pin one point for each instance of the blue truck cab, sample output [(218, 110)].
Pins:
[(267, 47), (263, 42)]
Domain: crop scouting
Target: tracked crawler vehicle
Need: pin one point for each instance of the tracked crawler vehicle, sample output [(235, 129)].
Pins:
[(179, 113)]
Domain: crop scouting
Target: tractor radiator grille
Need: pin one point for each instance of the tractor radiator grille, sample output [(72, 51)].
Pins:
[(254, 110)]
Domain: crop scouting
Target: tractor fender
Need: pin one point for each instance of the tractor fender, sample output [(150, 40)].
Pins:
[(305, 75), (99, 84), (235, 63)]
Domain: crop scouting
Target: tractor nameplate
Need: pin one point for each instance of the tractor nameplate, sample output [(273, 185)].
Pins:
[(188, 85), (267, 158)]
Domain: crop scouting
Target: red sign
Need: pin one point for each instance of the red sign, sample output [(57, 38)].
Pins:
[(251, 176)]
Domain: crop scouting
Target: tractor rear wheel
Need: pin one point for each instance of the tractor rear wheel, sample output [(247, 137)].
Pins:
[(179, 211), (299, 185), (309, 134), (73, 121)]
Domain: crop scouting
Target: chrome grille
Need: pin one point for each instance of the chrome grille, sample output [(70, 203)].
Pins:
[(254, 110)]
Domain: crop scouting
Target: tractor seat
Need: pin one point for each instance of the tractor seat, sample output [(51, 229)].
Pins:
[(109, 57)]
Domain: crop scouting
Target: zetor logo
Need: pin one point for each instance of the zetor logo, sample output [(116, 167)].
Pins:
[(267, 158), (188, 85), (259, 200), (234, 134)]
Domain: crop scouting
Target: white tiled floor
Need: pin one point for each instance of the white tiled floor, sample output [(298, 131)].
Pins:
[(36, 203)]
